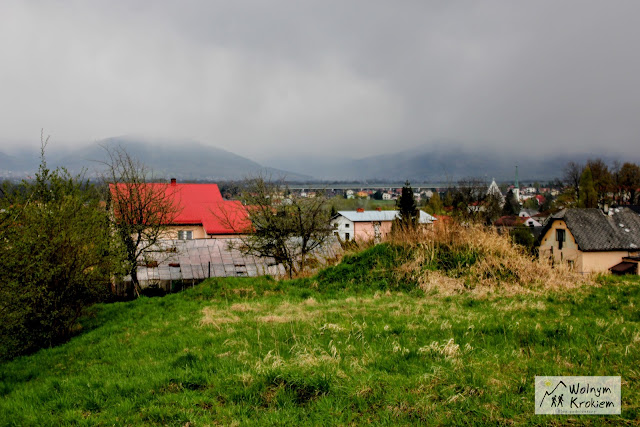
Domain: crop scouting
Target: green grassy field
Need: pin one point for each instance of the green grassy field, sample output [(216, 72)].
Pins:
[(335, 349)]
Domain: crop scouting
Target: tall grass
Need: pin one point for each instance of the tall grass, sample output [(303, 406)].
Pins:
[(453, 258)]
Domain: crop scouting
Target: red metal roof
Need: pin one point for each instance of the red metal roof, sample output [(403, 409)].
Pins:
[(203, 204)]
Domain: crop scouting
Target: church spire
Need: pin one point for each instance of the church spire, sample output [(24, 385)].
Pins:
[(516, 190)]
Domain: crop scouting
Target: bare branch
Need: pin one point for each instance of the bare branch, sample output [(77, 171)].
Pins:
[(141, 210), (284, 227)]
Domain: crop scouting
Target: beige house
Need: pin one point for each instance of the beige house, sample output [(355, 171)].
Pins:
[(591, 241)]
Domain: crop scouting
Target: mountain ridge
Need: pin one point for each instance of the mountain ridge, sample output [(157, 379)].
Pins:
[(183, 159), (186, 159)]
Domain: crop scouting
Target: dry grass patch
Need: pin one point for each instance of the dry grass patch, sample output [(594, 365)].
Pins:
[(306, 358), (436, 281), (275, 319), (331, 327), (520, 306), (214, 317), (244, 307), (454, 259), (310, 302)]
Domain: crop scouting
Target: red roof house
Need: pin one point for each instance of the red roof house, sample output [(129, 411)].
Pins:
[(200, 211)]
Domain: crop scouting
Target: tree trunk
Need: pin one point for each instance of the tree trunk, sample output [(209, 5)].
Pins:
[(134, 281)]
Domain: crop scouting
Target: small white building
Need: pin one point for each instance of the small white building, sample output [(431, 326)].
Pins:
[(527, 213), (494, 191), (530, 222)]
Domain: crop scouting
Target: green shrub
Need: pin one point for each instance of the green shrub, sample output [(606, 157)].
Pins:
[(57, 256)]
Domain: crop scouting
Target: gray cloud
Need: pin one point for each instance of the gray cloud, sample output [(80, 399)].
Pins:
[(353, 78)]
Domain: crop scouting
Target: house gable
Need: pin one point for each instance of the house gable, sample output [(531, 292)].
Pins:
[(589, 239)]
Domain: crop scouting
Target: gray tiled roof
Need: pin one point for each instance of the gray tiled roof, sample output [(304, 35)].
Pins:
[(595, 231)]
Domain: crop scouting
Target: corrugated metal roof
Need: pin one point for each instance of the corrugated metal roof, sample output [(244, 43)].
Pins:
[(202, 258), (369, 216)]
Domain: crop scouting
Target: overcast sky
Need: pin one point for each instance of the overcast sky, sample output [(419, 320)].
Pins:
[(263, 78)]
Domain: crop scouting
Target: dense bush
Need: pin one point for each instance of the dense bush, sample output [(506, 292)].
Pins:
[(56, 257)]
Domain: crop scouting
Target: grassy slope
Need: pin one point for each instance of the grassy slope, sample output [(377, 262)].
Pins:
[(328, 350)]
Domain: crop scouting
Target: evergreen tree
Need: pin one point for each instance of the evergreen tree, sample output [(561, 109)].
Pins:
[(548, 202), (492, 205), (588, 196), (448, 199), (406, 204), (511, 206)]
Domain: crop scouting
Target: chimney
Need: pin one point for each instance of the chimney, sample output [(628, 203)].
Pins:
[(173, 182), (360, 209), (379, 209)]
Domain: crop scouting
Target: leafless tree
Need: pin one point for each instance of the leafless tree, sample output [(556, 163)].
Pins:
[(468, 191), (141, 210), (572, 174), (628, 182), (283, 226), (602, 179)]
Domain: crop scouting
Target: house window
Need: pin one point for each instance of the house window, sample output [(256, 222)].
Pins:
[(346, 236), (346, 226), (185, 235), (560, 236)]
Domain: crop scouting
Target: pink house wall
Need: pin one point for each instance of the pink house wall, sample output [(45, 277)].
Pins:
[(365, 230)]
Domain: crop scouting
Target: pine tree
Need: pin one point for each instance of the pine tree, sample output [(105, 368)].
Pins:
[(406, 204), (511, 206), (333, 212)]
